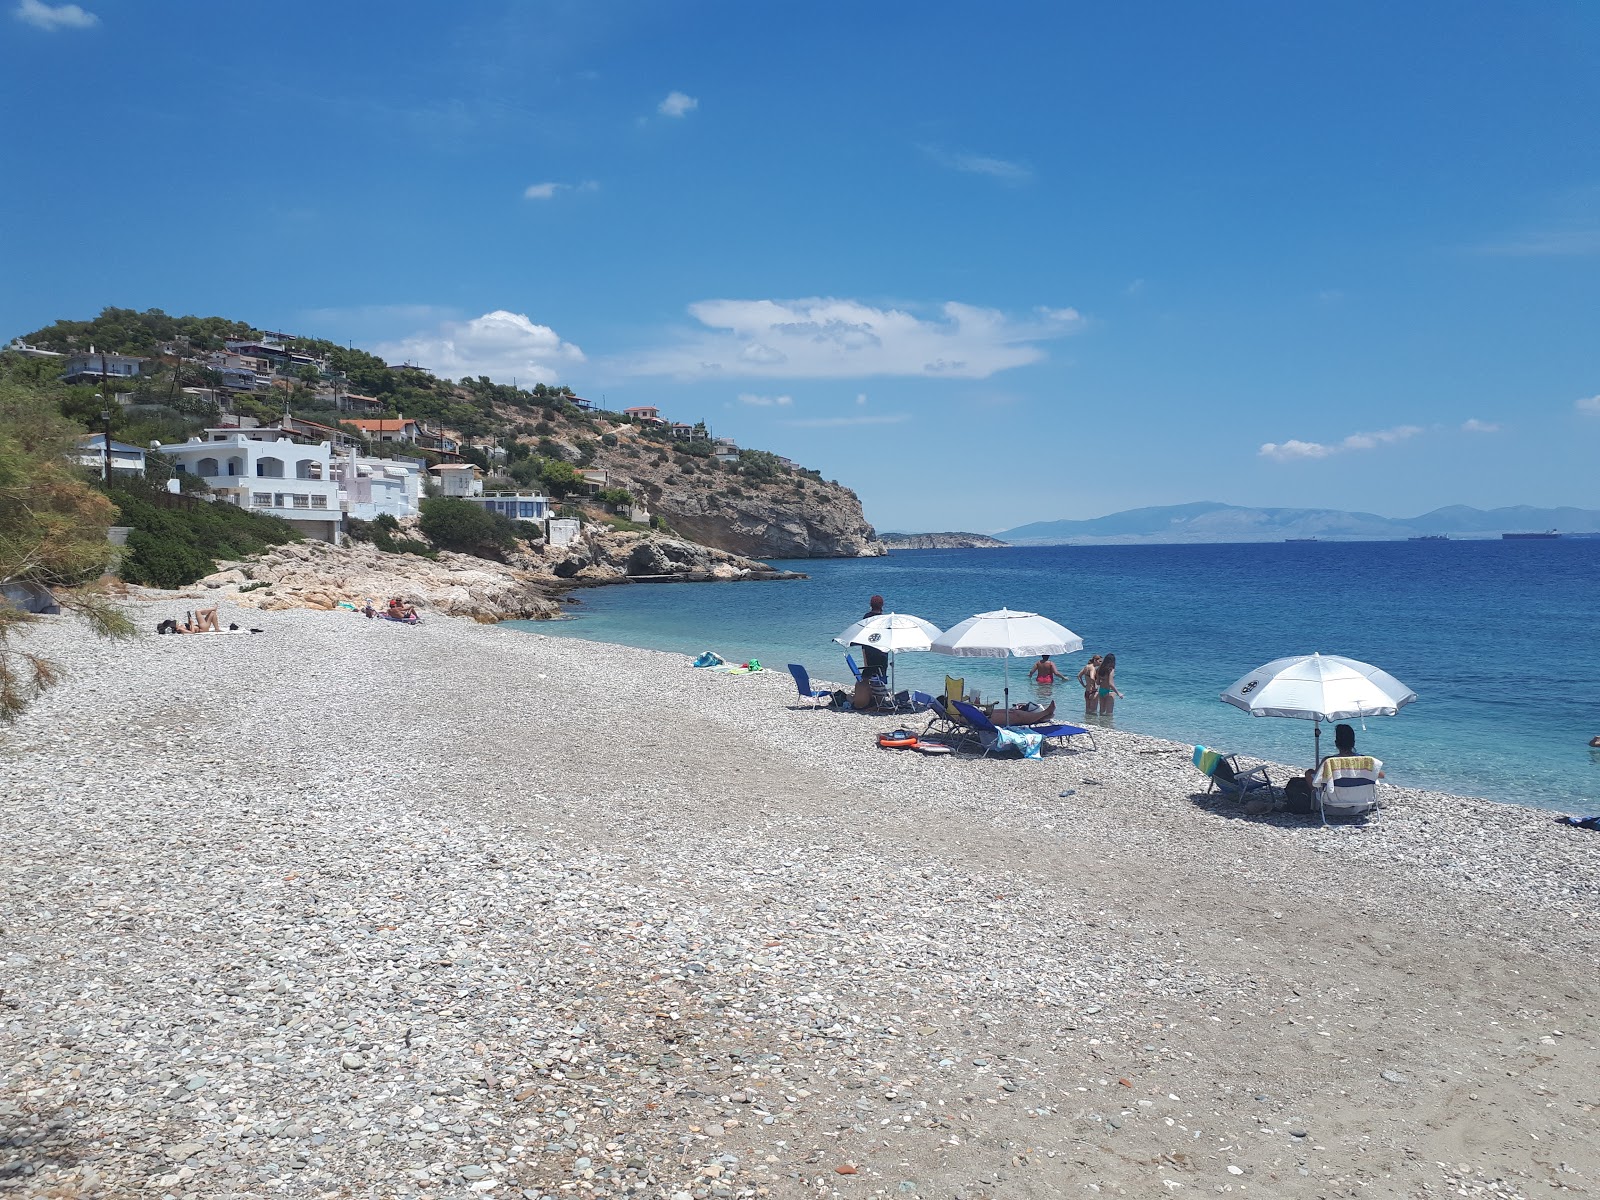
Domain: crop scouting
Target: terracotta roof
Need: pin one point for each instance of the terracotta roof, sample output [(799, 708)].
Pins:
[(381, 424)]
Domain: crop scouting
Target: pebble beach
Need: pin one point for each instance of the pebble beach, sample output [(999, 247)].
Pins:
[(353, 909)]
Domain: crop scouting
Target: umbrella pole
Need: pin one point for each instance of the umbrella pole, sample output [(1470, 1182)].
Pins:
[(1316, 744), (1006, 665)]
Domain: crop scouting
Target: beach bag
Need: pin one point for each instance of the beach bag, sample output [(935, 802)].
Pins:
[(1298, 797), (839, 699)]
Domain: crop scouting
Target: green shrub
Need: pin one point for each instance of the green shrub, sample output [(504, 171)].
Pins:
[(173, 544), (452, 524)]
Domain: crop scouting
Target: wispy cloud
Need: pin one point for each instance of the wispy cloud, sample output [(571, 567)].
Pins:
[(52, 18), (1291, 450), (677, 104), (503, 345), (1589, 406), (756, 401), (980, 164), (840, 422), (1547, 243), (549, 191), (827, 338), (1473, 425)]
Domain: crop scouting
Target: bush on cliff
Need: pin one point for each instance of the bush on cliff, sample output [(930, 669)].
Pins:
[(467, 528), (177, 540)]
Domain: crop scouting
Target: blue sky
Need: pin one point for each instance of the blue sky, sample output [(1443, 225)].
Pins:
[(987, 267)]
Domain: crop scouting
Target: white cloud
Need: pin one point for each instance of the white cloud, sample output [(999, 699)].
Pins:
[(677, 105), (756, 401), (54, 17), (502, 345), (1294, 449), (980, 164), (861, 397), (1589, 405), (1547, 243), (1473, 425), (838, 422), (548, 191), (826, 338)]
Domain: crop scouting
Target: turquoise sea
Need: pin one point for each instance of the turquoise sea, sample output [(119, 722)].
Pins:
[(1500, 640)]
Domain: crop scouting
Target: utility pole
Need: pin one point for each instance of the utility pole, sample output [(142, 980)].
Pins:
[(105, 424)]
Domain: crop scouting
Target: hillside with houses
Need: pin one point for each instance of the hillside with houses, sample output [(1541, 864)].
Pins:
[(332, 439)]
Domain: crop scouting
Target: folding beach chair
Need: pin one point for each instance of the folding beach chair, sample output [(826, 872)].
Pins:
[(1062, 734), (1228, 777), (809, 690), (992, 737), (1348, 786), (850, 661)]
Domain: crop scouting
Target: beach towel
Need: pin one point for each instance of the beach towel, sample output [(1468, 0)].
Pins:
[(1003, 739), (1349, 771), (709, 658), (1206, 760)]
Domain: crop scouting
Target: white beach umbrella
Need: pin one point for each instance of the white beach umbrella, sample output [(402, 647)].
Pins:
[(1319, 688), (892, 633), (1006, 635)]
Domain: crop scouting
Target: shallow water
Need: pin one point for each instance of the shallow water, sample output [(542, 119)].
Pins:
[(1498, 640)]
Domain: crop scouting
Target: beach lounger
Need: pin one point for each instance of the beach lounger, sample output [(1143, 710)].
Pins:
[(850, 661), (1062, 733), (941, 721), (1228, 777), (809, 690), (994, 738)]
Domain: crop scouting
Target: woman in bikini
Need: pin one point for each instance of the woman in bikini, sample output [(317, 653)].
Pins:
[(1091, 695), (1105, 681)]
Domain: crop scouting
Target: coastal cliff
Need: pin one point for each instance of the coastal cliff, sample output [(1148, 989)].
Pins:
[(941, 541)]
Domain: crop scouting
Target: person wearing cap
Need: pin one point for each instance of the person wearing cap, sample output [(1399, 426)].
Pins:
[(877, 662)]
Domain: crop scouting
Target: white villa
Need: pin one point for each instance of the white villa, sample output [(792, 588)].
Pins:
[(267, 472), (519, 506), (125, 459), (462, 480), (373, 487)]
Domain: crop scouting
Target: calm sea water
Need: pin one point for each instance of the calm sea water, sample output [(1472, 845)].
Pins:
[(1500, 640)]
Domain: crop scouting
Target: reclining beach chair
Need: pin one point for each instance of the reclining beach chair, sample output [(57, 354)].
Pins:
[(1060, 733), (1228, 777), (850, 661), (809, 690), (941, 722), (994, 738), (1348, 787)]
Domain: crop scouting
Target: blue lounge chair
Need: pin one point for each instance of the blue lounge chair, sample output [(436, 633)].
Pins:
[(809, 690), (854, 670), (987, 732), (1061, 733)]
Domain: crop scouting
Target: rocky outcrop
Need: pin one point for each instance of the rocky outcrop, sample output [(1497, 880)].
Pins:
[(610, 556), (941, 541), (317, 575)]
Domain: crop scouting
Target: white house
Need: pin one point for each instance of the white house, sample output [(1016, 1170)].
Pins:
[(125, 459), (462, 480), (266, 471), (386, 429), (87, 368), (519, 506), (373, 487)]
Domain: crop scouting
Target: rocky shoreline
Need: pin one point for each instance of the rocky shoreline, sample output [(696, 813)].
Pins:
[(318, 576), (350, 907)]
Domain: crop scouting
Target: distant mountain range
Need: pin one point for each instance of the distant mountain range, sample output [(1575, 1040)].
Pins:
[(1207, 521)]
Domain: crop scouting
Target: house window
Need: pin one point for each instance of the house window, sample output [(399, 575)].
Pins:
[(319, 502), (262, 500), (302, 501), (527, 508)]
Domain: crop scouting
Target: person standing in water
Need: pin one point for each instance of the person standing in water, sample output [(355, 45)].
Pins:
[(1105, 683), (1044, 671), (1091, 696)]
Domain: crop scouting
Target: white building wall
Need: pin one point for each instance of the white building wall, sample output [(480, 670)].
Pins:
[(267, 474)]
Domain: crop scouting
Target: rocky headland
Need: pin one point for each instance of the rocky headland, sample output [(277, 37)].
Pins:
[(316, 575), (940, 541)]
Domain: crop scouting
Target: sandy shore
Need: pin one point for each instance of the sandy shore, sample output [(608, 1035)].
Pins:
[(353, 909)]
